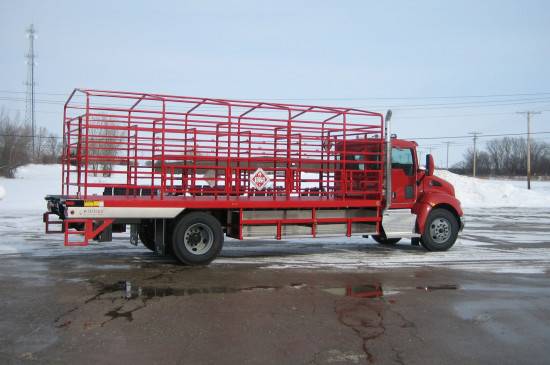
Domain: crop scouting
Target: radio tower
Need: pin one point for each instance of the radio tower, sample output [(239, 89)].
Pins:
[(30, 112)]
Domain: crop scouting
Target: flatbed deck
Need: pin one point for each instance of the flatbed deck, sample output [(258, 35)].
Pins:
[(219, 202)]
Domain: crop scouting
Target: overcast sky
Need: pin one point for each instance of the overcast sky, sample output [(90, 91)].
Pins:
[(445, 68)]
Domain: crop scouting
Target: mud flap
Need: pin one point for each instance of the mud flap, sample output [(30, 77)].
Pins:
[(134, 234), (105, 235), (159, 236)]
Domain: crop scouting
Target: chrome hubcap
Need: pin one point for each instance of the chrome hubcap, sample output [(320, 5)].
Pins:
[(440, 230), (198, 239)]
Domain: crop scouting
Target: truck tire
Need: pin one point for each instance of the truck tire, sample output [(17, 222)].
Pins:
[(440, 230), (146, 235), (197, 238), (385, 241)]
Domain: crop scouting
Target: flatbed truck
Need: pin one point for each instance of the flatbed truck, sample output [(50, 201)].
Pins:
[(183, 172)]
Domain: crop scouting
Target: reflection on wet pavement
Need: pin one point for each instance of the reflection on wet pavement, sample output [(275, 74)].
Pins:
[(128, 292), (439, 287)]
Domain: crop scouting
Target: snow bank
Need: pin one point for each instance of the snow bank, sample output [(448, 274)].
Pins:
[(32, 182), (473, 192)]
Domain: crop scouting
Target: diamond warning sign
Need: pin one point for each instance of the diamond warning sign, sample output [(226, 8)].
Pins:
[(259, 179)]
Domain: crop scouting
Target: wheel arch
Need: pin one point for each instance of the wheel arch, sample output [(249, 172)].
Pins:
[(423, 209), (219, 214)]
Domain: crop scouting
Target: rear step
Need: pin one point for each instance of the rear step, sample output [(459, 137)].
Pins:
[(50, 222), (88, 233), (82, 228)]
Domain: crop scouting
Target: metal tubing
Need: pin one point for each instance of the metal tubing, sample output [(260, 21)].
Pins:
[(200, 147)]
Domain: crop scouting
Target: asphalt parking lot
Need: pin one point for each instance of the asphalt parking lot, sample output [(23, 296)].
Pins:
[(267, 302)]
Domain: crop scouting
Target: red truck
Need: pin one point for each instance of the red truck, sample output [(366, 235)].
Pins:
[(182, 172)]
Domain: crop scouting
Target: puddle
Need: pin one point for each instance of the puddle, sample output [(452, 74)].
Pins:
[(360, 291), (439, 287), (125, 289)]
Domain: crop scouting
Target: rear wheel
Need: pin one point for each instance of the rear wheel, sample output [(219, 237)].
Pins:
[(147, 234), (440, 230), (197, 238)]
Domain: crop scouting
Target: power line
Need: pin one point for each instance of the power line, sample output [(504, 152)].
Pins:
[(450, 116), (37, 111), (485, 135), (464, 105), (541, 97), (37, 93), (416, 97), (28, 136), (411, 138)]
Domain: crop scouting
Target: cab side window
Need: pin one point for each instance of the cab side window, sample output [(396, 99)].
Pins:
[(403, 159)]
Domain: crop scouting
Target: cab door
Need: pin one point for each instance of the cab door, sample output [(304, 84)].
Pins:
[(403, 176)]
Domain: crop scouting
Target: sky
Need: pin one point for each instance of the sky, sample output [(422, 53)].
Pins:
[(446, 69)]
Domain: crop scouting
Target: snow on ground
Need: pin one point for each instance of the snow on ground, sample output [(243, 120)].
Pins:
[(473, 192), (31, 184)]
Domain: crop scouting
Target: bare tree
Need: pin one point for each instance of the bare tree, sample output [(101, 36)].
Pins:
[(496, 151), (15, 144), (508, 157), (540, 157), (48, 148), (104, 138)]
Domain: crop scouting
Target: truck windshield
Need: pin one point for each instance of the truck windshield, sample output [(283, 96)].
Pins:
[(403, 159)]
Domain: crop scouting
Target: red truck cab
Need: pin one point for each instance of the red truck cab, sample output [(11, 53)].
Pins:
[(416, 196), (439, 216)]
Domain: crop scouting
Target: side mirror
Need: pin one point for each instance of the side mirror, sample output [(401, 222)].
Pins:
[(429, 165)]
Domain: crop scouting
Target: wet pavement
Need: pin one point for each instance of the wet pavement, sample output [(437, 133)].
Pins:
[(487, 300)]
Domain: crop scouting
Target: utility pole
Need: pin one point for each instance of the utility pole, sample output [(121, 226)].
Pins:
[(447, 143), (30, 118), (475, 150), (528, 113)]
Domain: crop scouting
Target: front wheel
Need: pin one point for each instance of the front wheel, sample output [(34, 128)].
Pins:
[(440, 230), (197, 238)]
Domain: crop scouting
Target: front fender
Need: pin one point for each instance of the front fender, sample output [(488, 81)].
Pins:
[(430, 201)]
